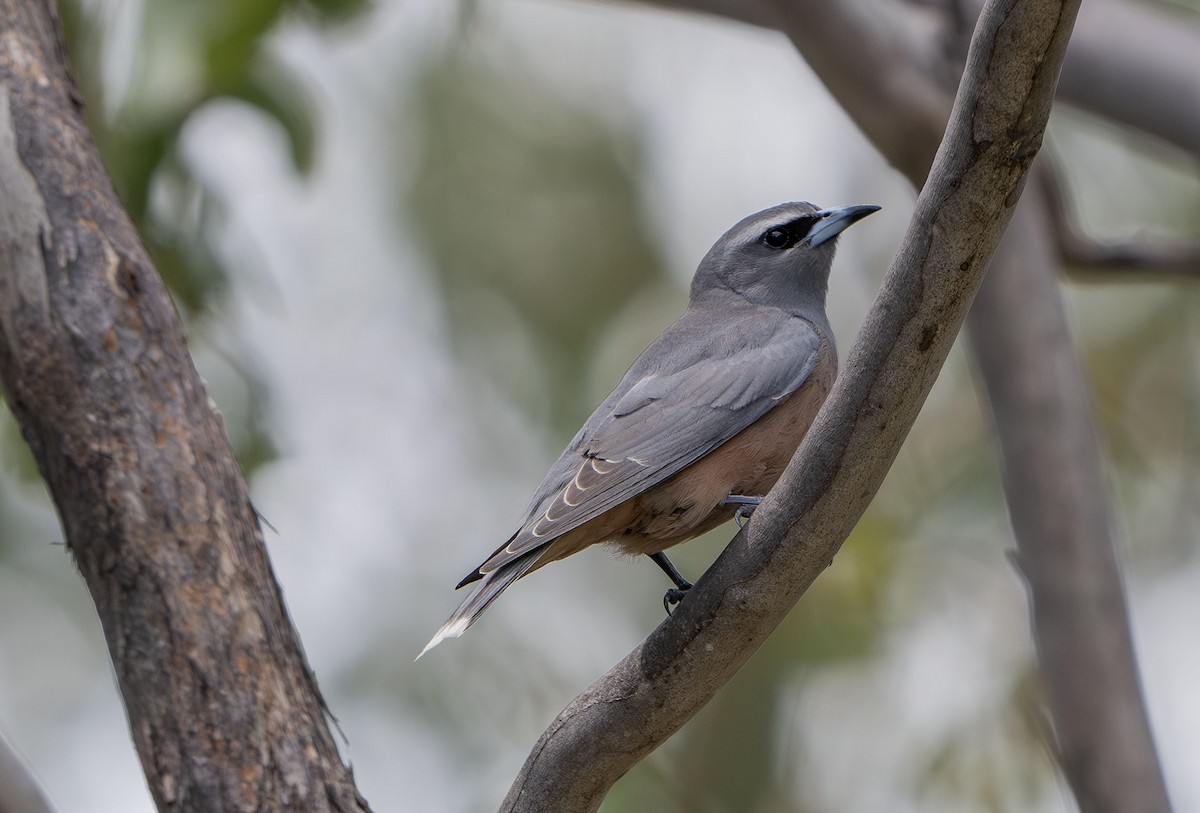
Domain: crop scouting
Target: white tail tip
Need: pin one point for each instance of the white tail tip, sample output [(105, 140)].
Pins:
[(451, 629)]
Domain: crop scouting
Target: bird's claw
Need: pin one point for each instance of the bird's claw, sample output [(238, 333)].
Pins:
[(745, 507), (673, 597), (742, 514)]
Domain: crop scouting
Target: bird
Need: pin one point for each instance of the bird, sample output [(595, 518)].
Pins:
[(706, 419)]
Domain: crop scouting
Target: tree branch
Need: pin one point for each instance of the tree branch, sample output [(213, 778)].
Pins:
[(1053, 470), (1122, 718), (223, 709), (1136, 63), (995, 131), (1088, 259), (19, 791), (1130, 62)]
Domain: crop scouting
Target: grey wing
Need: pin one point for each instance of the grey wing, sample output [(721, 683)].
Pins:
[(661, 419)]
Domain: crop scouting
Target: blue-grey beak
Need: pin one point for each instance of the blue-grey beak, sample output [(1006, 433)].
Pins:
[(835, 221)]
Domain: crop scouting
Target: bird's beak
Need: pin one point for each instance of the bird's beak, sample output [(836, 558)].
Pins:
[(834, 221)]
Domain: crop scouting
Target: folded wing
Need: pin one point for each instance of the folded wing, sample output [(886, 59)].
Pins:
[(663, 418)]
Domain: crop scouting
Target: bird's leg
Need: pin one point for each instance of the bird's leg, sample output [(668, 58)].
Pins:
[(746, 506), (682, 585)]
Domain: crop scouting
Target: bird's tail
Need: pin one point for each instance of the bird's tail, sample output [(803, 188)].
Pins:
[(485, 592)]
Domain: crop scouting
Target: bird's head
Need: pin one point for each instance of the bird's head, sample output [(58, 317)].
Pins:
[(780, 256)]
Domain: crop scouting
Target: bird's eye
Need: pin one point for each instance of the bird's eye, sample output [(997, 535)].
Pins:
[(777, 238)]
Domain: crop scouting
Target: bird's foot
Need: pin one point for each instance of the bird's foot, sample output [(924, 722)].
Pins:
[(673, 597), (741, 515), (745, 507), (682, 585)]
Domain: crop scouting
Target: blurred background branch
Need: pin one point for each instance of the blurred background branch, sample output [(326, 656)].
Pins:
[(19, 790), (1134, 259), (1051, 463)]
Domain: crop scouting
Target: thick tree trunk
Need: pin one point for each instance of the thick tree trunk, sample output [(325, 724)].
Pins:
[(224, 711)]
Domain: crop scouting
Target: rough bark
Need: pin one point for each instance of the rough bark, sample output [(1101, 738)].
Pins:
[(223, 709), (1064, 533), (995, 131)]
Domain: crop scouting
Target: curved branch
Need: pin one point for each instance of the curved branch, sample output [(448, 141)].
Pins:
[(223, 709), (995, 131), (1087, 259), (1053, 469), (1125, 748)]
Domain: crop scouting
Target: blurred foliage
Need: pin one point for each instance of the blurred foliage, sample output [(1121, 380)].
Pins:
[(528, 204), (994, 757), (143, 70), (178, 56), (1137, 335)]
